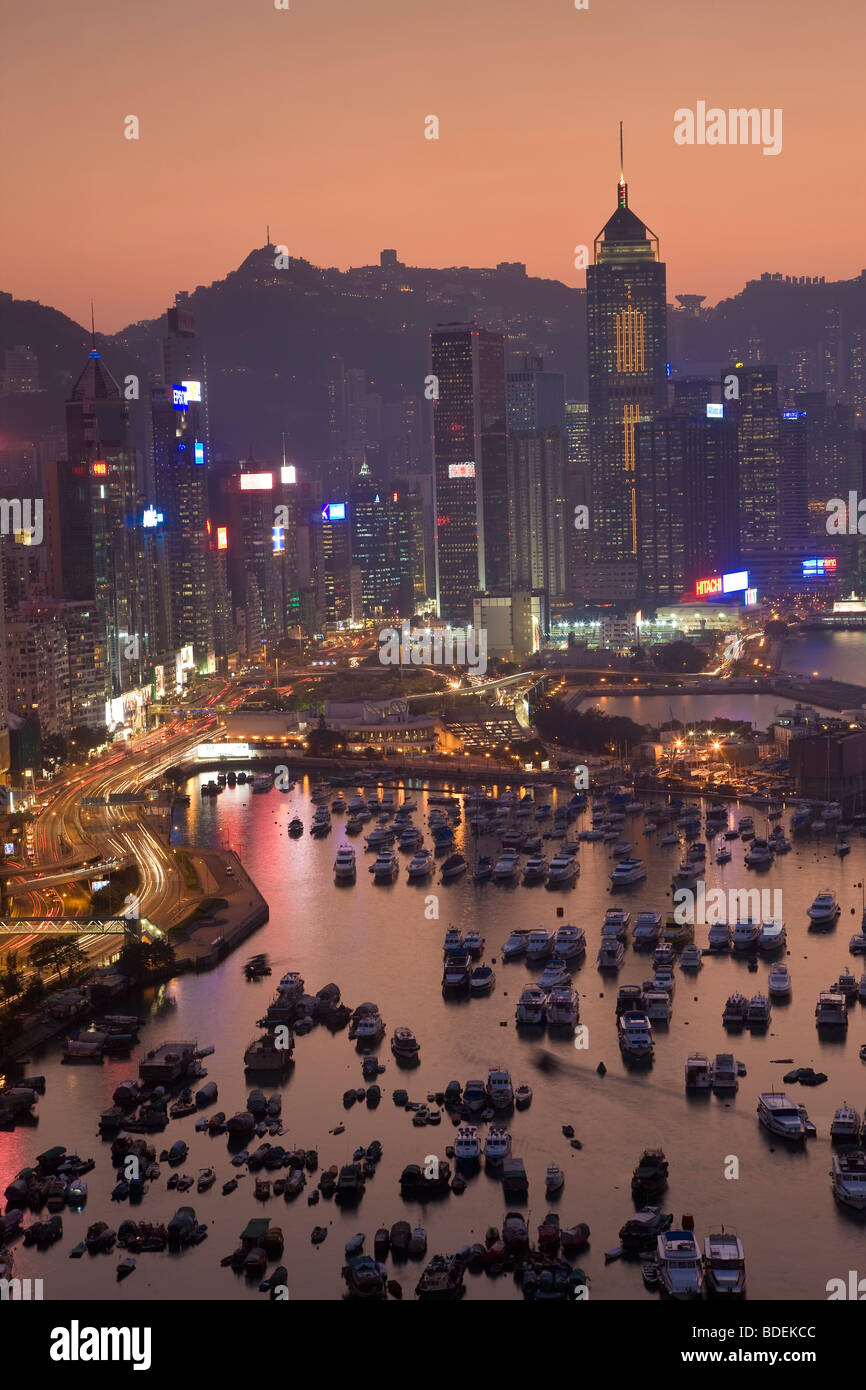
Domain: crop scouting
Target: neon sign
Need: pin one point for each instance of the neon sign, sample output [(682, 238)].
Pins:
[(256, 482)]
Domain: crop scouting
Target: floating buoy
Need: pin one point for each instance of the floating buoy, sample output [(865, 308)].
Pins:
[(601, 1069)]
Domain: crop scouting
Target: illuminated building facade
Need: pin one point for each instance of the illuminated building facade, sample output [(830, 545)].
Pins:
[(627, 350)]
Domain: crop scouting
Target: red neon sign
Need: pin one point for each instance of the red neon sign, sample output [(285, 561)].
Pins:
[(100, 470), (709, 586)]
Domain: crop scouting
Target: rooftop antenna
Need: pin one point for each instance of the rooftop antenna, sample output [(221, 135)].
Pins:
[(268, 241), (622, 191), (284, 448), (92, 328)]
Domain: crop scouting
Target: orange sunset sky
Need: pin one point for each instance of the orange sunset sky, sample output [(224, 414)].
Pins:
[(312, 120)]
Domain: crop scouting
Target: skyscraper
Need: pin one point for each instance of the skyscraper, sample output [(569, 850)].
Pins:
[(99, 509), (180, 479), (627, 350), (758, 418), (469, 450)]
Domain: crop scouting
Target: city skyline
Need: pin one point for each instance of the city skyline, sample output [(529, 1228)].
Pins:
[(207, 174)]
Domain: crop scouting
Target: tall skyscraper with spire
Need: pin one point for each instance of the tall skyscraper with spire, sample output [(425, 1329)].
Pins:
[(627, 360)]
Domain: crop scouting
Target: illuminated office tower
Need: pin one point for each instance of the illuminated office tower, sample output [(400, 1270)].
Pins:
[(184, 362), (758, 419), (336, 578), (535, 398), (382, 546), (180, 482), (627, 351), (686, 502), (539, 524), (95, 508), (255, 520), (470, 466)]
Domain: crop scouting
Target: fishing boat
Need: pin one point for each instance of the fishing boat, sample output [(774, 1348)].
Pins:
[(725, 1073), (735, 1011), (650, 1177), (831, 1010), (676, 933), (698, 1072), (758, 1011), (473, 942), (404, 1044)]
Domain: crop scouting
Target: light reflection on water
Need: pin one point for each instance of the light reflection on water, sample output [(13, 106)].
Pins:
[(376, 943)]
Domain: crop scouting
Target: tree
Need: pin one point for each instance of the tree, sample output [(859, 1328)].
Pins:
[(679, 656), (63, 952), (138, 959)]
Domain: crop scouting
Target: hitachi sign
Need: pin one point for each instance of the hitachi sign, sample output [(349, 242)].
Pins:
[(709, 586)]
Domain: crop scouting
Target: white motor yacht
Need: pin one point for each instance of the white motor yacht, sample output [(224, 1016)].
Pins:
[(657, 1005), (647, 928), (515, 945), (772, 936), (845, 1125), (627, 872), (745, 934), (779, 982), (759, 854), (421, 865), (720, 937), (531, 1008), (636, 1036), (386, 867), (679, 1264), (691, 958), (539, 944), (554, 973), (564, 869), (616, 920), (562, 1006), (781, 1115), (569, 943), (506, 866), (724, 1265), (848, 1178), (344, 864), (499, 1089), (535, 870), (825, 908), (610, 953)]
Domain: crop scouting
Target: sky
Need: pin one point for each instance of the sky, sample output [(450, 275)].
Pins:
[(312, 120)]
